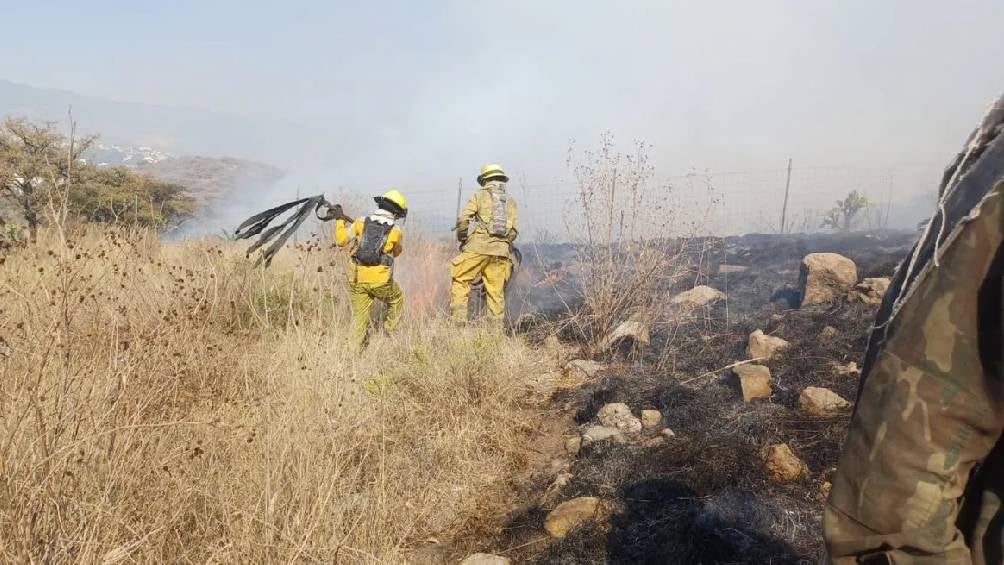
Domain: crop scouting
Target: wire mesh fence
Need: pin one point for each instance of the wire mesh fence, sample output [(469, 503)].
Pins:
[(720, 202)]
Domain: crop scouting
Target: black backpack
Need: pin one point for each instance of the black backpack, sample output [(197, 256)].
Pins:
[(369, 252)]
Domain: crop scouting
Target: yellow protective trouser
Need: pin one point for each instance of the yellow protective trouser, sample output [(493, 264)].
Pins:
[(493, 270), (362, 295)]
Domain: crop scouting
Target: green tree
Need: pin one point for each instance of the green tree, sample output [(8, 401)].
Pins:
[(35, 161), (119, 195), (39, 167), (841, 216)]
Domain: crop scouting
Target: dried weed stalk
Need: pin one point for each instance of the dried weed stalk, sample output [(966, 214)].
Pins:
[(168, 402)]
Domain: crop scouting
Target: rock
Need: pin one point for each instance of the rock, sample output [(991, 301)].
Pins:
[(634, 331), (824, 489), (754, 380), (698, 296), (657, 441), (723, 268), (573, 445), (763, 347), (668, 433), (850, 368), (651, 419), (618, 415), (571, 514), (825, 277), (829, 332), (602, 433), (782, 465), (820, 401), (870, 290), (485, 559), (583, 368)]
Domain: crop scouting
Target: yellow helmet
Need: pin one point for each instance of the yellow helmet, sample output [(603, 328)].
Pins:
[(394, 201), (492, 171)]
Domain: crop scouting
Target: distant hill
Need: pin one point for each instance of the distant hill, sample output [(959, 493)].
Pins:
[(219, 158), (209, 178), (174, 130)]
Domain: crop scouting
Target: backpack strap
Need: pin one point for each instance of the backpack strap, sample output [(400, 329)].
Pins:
[(370, 250)]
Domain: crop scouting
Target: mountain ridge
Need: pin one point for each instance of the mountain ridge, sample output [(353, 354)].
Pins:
[(179, 130)]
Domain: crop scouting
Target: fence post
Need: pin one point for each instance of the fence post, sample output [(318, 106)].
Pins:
[(787, 185)]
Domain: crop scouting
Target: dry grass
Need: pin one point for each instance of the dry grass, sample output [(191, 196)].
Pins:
[(168, 402)]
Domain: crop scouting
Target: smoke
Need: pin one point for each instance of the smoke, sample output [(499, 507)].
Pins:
[(371, 98)]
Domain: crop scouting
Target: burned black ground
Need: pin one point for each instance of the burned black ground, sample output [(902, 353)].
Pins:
[(703, 497)]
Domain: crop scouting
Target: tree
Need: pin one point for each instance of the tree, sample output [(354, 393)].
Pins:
[(119, 195), (39, 166), (35, 160), (841, 216)]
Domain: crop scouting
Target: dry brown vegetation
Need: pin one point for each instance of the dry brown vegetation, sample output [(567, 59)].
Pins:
[(168, 402)]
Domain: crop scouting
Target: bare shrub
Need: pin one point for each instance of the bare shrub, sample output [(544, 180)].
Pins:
[(633, 238)]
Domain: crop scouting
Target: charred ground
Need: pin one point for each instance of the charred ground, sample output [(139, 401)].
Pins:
[(702, 496)]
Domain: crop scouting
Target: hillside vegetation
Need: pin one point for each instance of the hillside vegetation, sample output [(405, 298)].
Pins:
[(45, 180), (168, 402)]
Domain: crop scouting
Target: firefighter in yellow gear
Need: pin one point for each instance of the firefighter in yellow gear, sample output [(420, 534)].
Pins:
[(376, 240), (484, 249)]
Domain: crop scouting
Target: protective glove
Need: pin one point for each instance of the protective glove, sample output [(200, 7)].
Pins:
[(335, 212)]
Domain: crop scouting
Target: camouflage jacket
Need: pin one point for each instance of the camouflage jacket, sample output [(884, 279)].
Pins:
[(921, 476)]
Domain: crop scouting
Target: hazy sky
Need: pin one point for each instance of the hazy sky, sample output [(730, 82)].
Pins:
[(430, 90)]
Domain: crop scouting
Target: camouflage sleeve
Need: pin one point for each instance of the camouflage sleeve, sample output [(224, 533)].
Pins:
[(929, 411)]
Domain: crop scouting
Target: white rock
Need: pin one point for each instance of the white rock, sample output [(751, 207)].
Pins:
[(657, 441), (651, 419), (826, 276), (764, 347), (634, 330), (820, 401), (724, 268), (594, 434), (667, 433), (870, 290), (850, 368), (824, 490), (782, 465), (618, 415), (754, 381), (698, 296), (570, 515)]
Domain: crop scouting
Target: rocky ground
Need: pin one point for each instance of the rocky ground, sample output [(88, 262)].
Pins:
[(712, 457)]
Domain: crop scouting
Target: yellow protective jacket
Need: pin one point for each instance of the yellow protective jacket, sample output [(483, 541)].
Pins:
[(479, 210), (377, 274)]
